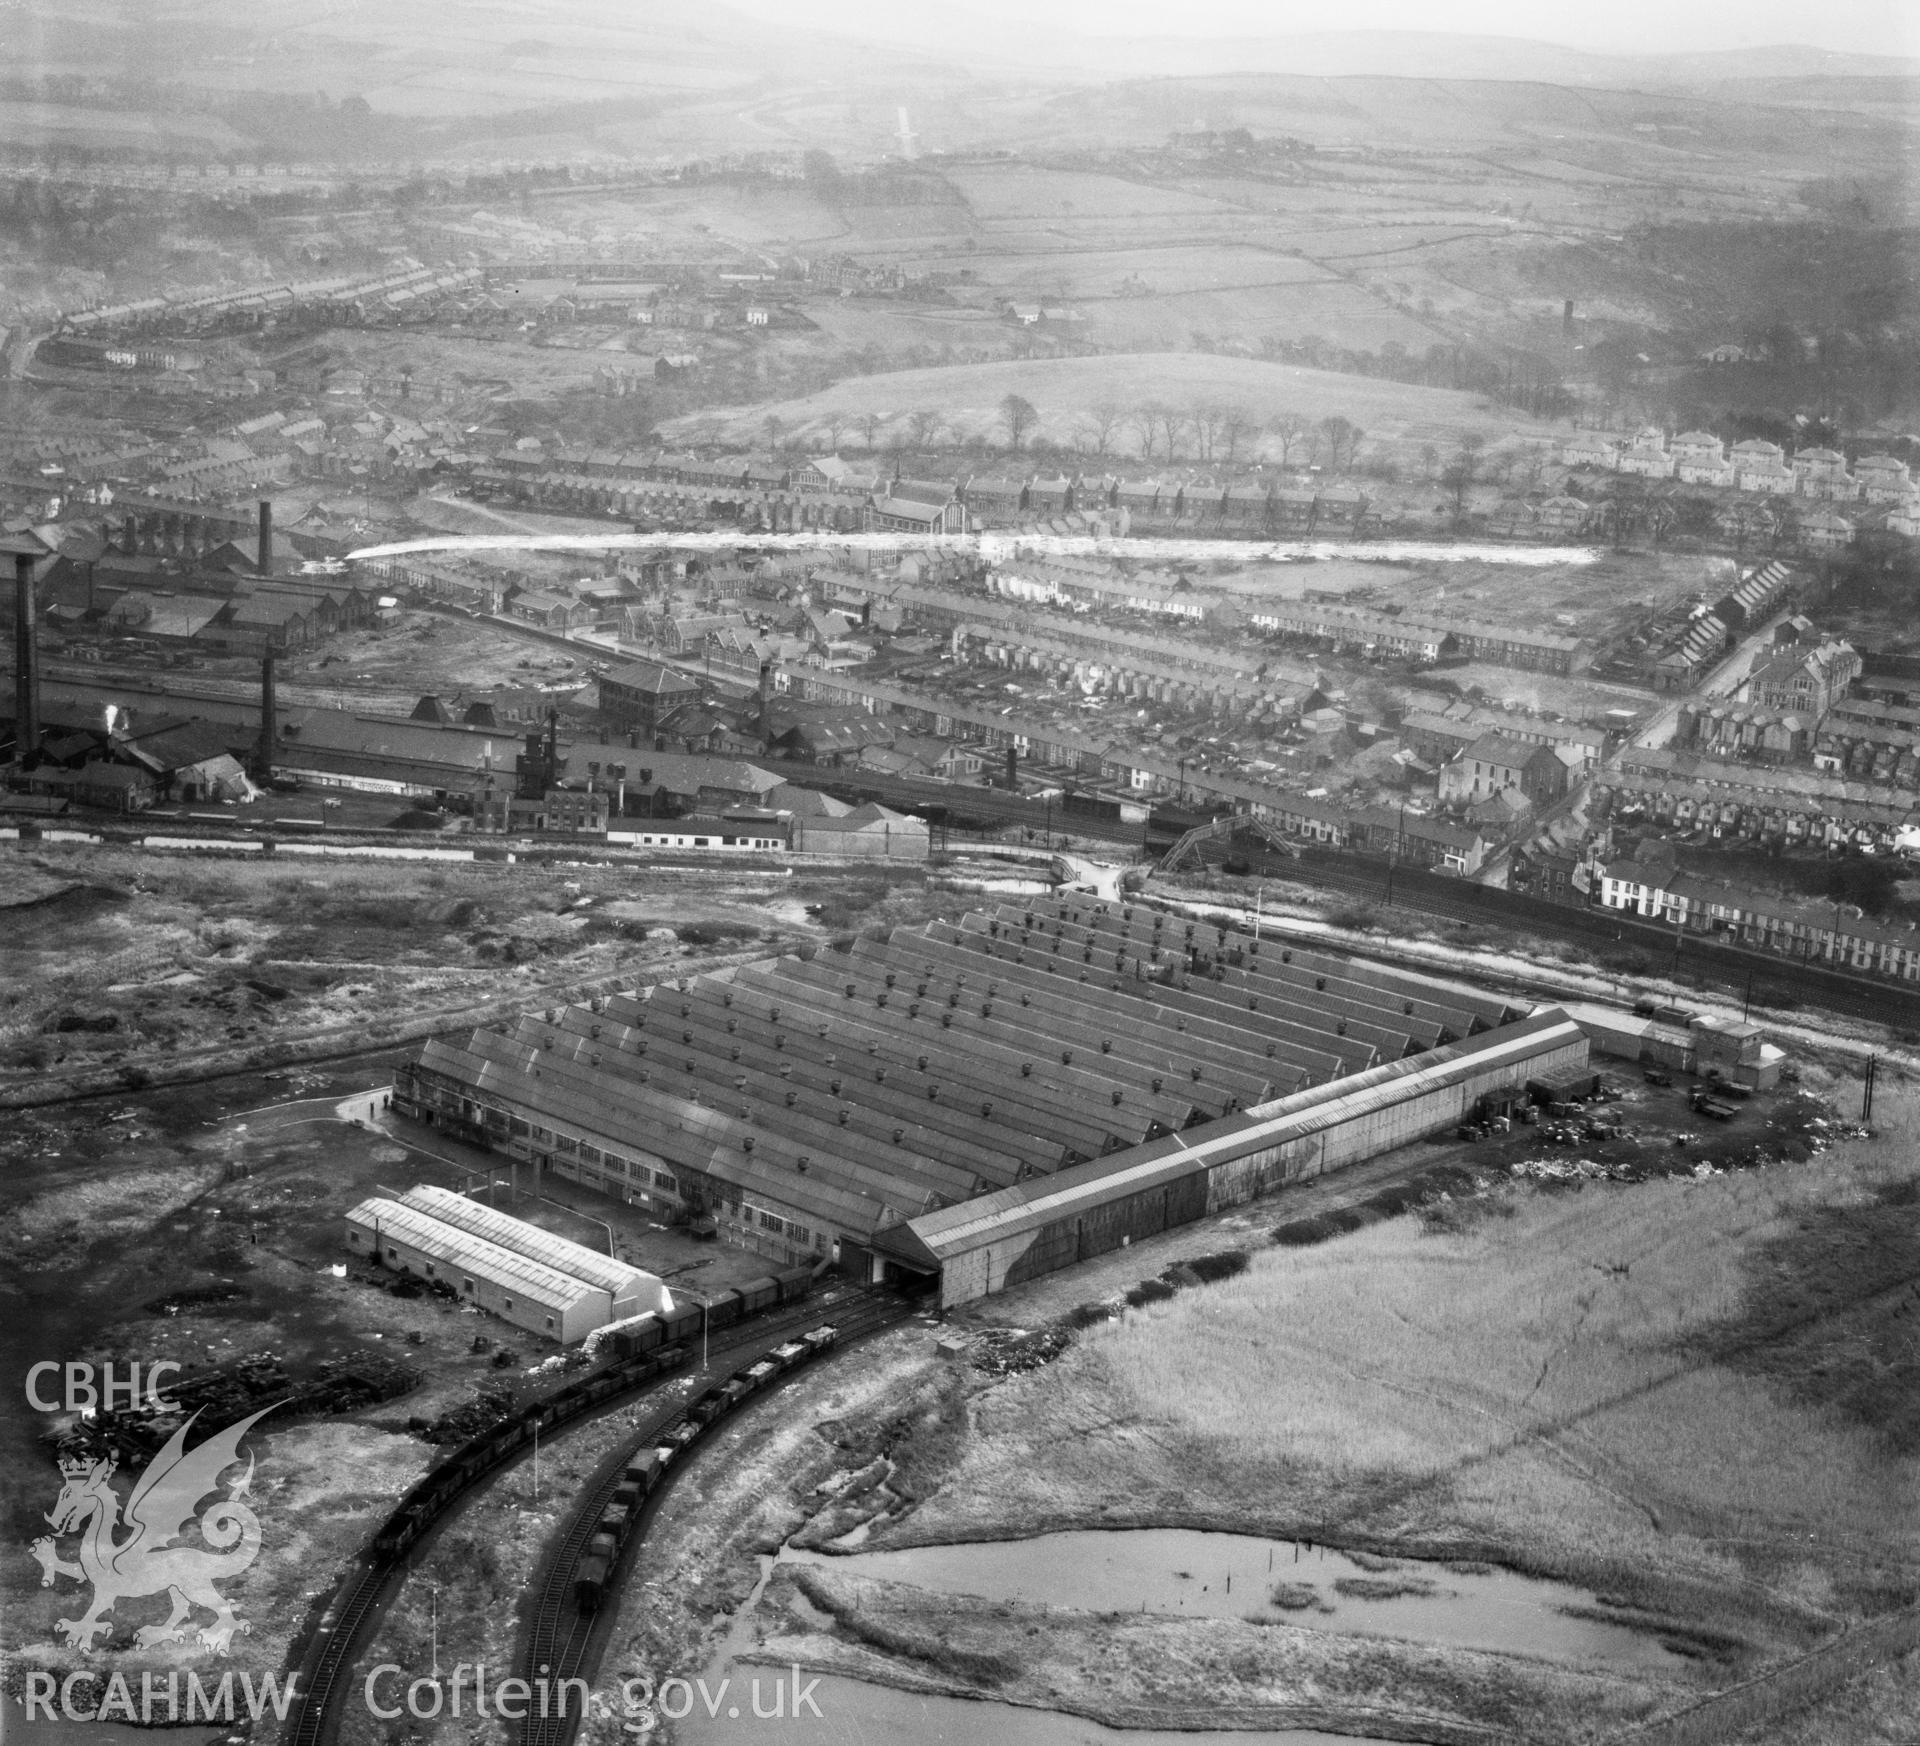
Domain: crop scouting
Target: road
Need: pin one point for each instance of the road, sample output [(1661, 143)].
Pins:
[(1721, 682)]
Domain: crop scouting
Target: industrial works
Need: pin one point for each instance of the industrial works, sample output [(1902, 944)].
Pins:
[(885, 874), (975, 1104)]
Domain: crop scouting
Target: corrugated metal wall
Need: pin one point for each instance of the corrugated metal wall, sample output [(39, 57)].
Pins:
[(1010, 1259)]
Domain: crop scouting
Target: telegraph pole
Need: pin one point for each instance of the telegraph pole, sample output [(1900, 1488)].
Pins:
[(1866, 1090)]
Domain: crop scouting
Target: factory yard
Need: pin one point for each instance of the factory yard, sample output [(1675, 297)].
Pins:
[(207, 1228), (1668, 1397)]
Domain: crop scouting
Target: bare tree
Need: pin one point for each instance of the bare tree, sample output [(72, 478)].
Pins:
[(835, 424), (1172, 422), (870, 427), (1459, 475), (1146, 427), (1019, 416), (924, 425), (1099, 425), (1235, 428), (1206, 421), (1289, 430), (773, 428), (1340, 435)]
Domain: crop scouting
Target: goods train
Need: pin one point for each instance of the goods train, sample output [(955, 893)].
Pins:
[(652, 1346), (645, 1471)]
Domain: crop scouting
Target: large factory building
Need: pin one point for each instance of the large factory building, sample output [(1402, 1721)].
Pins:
[(969, 1104)]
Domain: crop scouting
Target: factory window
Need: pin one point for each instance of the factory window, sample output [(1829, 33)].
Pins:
[(543, 1134), (564, 1144), (770, 1223), (662, 1180), (506, 1303), (466, 1285), (799, 1233), (393, 1254), (516, 1125), (591, 1154), (429, 1266)]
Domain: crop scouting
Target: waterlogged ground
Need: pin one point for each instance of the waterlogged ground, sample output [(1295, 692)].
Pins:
[(1194, 1574)]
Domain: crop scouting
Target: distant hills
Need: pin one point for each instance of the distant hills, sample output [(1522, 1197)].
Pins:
[(546, 78)]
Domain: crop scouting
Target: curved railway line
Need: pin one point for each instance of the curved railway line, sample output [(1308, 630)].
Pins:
[(563, 1642), (342, 1631)]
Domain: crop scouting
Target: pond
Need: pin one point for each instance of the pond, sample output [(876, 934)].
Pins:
[(854, 1713), (1242, 1576)]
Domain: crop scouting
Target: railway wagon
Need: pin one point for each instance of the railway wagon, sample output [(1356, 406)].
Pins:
[(645, 1336), (794, 1283), (589, 1584), (478, 1456), (682, 1323), (645, 1471), (759, 1294)]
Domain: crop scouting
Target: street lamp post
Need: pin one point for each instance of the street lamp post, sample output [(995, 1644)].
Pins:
[(602, 1223)]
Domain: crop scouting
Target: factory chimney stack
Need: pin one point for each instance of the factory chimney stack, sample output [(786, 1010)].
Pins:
[(269, 721), (26, 664)]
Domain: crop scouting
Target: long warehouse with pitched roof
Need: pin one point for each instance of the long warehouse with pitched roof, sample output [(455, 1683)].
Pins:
[(971, 1103)]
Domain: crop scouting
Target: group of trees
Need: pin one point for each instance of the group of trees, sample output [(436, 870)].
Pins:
[(1521, 380), (1205, 431)]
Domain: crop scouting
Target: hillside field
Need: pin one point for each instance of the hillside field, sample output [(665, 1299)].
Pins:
[(968, 396)]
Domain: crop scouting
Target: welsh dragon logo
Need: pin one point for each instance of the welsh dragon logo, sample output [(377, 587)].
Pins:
[(147, 1561)]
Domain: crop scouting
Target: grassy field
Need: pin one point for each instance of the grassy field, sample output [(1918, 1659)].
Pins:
[(1163, 271), (1063, 389), (1334, 309), (1019, 190)]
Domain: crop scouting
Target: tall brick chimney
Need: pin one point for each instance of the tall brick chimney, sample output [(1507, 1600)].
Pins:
[(266, 537), (269, 720), (26, 663)]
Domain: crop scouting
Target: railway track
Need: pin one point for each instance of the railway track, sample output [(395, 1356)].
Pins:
[(342, 1631), (564, 1643), (1729, 970)]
